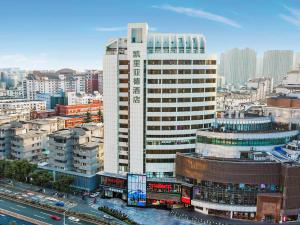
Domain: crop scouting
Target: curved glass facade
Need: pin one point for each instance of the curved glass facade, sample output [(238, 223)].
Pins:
[(237, 142), (246, 127), (231, 194)]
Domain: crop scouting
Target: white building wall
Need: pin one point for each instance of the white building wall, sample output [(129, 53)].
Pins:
[(110, 103)]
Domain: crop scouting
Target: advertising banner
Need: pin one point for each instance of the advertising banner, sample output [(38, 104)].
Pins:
[(137, 187)]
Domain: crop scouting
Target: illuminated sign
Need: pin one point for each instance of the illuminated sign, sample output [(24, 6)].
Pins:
[(136, 190)]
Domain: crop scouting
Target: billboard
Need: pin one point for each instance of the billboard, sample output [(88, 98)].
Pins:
[(136, 190)]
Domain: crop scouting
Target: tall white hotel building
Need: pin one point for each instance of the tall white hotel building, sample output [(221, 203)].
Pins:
[(159, 89)]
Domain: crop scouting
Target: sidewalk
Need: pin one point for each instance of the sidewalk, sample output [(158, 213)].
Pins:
[(214, 220)]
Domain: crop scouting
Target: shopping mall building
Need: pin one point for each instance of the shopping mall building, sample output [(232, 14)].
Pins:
[(238, 171)]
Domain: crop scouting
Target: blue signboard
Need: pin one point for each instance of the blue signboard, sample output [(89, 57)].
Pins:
[(137, 186)]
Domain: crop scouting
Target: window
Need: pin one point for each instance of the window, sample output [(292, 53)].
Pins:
[(153, 118), (183, 118), (184, 81), (184, 62), (154, 91), (169, 100), (169, 71), (154, 72), (198, 90), (169, 81), (199, 62), (184, 100), (123, 62), (154, 100), (184, 71), (153, 81), (183, 109), (169, 109), (169, 90), (154, 62), (184, 90), (169, 62), (154, 109), (199, 71)]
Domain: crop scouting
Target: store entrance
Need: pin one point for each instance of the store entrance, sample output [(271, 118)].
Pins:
[(269, 218)]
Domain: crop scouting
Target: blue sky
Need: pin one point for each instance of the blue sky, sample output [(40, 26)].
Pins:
[(45, 34)]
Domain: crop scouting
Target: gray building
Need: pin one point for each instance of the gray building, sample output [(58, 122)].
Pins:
[(77, 149), (238, 65), (277, 63)]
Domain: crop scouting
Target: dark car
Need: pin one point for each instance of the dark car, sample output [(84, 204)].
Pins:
[(54, 217)]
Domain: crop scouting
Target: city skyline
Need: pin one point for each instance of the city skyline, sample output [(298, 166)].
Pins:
[(38, 35)]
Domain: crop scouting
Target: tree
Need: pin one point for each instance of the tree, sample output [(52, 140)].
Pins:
[(88, 117), (41, 178), (19, 170), (63, 183), (100, 115)]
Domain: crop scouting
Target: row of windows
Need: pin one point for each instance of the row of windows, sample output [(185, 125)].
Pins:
[(182, 62), (179, 118), (182, 71), (171, 136), (180, 127), (167, 151), (181, 109), (160, 160), (167, 100), (181, 81), (180, 90), (171, 142), (236, 142)]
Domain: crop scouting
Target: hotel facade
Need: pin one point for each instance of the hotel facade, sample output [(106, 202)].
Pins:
[(159, 89)]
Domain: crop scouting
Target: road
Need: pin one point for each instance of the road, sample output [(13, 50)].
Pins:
[(74, 203), (35, 213)]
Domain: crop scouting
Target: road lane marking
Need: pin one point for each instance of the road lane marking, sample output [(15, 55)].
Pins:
[(41, 217), (14, 208), (23, 207), (46, 213)]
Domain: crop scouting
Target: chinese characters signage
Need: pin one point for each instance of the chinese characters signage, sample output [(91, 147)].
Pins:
[(136, 84)]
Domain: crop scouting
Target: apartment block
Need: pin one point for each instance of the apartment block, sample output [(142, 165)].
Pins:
[(77, 149)]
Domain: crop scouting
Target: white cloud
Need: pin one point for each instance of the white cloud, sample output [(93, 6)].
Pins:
[(293, 17), (200, 14)]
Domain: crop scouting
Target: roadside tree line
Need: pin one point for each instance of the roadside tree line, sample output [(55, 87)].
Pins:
[(24, 171)]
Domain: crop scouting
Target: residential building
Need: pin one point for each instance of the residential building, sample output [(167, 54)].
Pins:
[(80, 109), (238, 66), (77, 149), (276, 64), (31, 146), (296, 60), (262, 85), (290, 83), (16, 106), (170, 92)]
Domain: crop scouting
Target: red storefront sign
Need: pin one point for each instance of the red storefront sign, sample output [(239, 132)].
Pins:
[(186, 200), (168, 187)]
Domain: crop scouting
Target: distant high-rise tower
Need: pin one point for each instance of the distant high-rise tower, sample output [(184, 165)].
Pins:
[(277, 63), (297, 60), (159, 89), (238, 65)]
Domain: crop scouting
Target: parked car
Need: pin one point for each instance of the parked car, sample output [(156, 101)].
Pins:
[(54, 217), (93, 195), (61, 204), (74, 219)]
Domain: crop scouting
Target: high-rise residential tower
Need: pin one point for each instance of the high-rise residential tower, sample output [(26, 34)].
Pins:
[(238, 65), (159, 89), (277, 63)]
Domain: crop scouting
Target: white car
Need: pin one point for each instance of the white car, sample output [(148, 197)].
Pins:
[(93, 195), (74, 219)]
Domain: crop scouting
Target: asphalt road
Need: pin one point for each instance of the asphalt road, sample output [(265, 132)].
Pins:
[(35, 213)]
